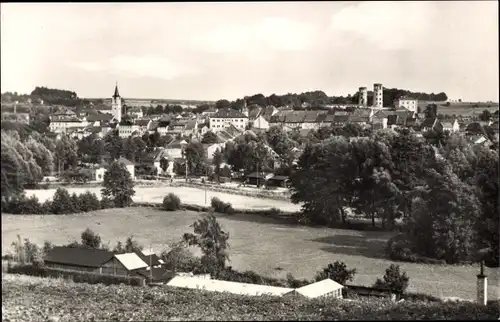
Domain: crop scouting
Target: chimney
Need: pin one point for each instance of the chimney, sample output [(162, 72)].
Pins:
[(482, 287)]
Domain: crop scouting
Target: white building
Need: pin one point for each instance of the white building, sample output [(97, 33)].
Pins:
[(324, 288), (116, 105), (226, 286), (65, 124), (409, 103), (225, 117)]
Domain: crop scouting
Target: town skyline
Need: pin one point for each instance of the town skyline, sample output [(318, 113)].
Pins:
[(215, 52)]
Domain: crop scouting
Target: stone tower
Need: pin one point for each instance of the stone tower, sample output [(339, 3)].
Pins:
[(363, 96), (378, 95), (116, 105)]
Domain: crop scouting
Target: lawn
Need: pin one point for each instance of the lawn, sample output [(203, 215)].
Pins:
[(257, 243), (186, 194)]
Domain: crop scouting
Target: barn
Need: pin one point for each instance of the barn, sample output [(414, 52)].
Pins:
[(78, 259)]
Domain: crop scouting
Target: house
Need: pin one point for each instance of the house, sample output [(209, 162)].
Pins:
[(126, 129), (312, 119), (191, 128), (163, 124), (321, 289), (451, 126), (326, 120), (210, 112), (155, 158), (174, 149), (78, 259), (62, 125), (431, 123), (474, 128), (264, 117), (278, 181), (407, 102), (98, 119), (253, 112), (135, 111), (226, 286), (103, 108), (210, 149), (143, 125), (340, 118), (131, 262), (101, 170), (150, 258), (258, 178), (225, 117)]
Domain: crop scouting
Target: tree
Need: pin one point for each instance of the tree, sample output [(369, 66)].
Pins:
[(430, 110), (131, 246), (114, 145), (338, 272), (91, 239), (217, 161), (66, 156), (171, 202), (209, 138), (118, 185), (164, 164), (195, 156), (485, 115), (222, 104), (394, 280), (62, 203), (488, 226), (213, 242), (323, 181)]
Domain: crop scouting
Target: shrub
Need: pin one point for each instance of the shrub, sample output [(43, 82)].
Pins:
[(274, 212), (62, 203), (292, 282), (180, 259), (171, 202), (221, 206), (89, 202), (400, 248), (107, 203), (91, 239), (393, 280), (338, 272)]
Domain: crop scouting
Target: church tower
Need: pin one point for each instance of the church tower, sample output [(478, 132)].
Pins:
[(116, 105)]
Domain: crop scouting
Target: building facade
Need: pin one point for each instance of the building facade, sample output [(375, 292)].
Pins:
[(225, 117), (409, 103), (378, 95)]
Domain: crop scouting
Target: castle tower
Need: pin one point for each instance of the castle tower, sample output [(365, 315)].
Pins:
[(378, 95), (116, 105), (244, 110), (363, 96)]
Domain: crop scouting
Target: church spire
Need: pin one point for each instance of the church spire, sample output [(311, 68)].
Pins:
[(116, 91)]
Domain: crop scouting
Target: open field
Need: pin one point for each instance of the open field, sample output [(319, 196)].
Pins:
[(257, 243), (466, 109), (188, 195)]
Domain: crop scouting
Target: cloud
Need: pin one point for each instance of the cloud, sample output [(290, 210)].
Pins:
[(279, 34), (138, 66), (389, 25)]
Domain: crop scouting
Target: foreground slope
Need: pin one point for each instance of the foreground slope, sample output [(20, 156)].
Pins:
[(35, 299)]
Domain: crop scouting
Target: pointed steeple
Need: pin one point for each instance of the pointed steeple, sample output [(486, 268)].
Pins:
[(116, 91)]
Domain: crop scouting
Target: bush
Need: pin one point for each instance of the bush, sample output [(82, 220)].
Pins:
[(171, 202), (338, 272), (62, 203), (400, 248), (89, 202), (222, 207), (295, 283), (90, 239), (23, 205), (180, 259), (394, 280), (107, 203)]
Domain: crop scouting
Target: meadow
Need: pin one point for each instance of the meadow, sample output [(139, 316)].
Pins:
[(261, 244), (187, 195), (466, 109)]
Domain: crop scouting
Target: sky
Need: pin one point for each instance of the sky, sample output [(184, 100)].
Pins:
[(211, 51)]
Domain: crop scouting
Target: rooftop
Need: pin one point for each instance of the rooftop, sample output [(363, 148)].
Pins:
[(131, 261), (319, 288), (76, 256), (228, 113)]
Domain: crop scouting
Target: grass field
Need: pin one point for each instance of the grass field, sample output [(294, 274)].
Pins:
[(466, 109), (186, 194), (257, 243)]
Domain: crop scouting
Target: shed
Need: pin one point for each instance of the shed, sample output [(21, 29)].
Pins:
[(226, 286), (258, 178), (324, 288), (131, 261), (76, 258), (281, 181)]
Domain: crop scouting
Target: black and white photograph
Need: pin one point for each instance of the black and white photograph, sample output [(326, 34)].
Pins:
[(250, 161)]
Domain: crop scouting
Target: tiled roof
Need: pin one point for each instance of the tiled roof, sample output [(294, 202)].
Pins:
[(233, 130), (358, 118), (121, 160), (312, 116), (142, 122), (103, 107), (150, 259), (254, 112), (158, 274), (295, 117), (228, 113), (340, 118), (67, 120), (154, 125), (99, 117), (76, 256)]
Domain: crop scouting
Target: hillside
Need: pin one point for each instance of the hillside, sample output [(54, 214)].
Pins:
[(56, 299)]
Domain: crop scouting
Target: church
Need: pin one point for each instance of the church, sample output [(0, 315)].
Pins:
[(116, 105)]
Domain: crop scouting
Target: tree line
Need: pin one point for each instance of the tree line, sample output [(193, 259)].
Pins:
[(443, 198)]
